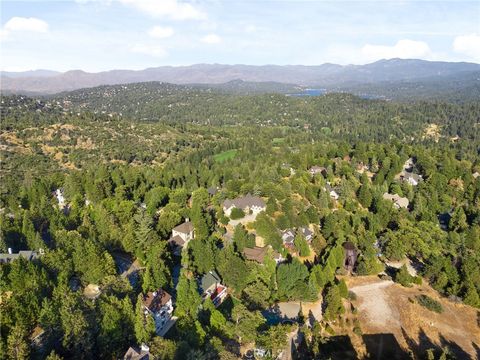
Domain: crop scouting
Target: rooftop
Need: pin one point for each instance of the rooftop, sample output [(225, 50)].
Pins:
[(244, 201), (185, 228), (155, 300)]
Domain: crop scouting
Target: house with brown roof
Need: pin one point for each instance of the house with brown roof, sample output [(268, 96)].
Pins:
[(258, 254), (398, 201), (247, 203), (181, 235), (158, 304)]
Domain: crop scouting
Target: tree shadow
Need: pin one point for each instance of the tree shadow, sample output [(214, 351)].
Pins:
[(337, 348), (383, 346), (424, 343)]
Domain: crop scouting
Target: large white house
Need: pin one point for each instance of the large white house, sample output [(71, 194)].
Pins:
[(159, 306), (246, 203)]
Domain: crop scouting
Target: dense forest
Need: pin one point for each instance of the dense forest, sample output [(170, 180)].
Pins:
[(131, 162)]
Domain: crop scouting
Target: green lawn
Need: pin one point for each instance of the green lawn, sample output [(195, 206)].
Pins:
[(226, 155), (278, 140)]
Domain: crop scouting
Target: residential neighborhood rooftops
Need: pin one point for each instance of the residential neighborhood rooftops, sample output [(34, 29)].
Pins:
[(156, 299), (185, 228)]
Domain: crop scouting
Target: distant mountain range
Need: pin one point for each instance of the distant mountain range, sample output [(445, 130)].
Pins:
[(328, 76)]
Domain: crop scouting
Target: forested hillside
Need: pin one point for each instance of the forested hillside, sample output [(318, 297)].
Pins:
[(95, 181)]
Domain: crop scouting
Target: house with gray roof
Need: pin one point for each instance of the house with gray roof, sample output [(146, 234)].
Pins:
[(211, 287), (410, 177), (247, 203), (26, 254), (398, 201), (314, 170)]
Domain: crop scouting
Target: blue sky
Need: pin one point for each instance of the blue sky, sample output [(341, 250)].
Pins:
[(97, 35)]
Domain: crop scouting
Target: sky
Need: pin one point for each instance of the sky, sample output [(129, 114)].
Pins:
[(99, 35)]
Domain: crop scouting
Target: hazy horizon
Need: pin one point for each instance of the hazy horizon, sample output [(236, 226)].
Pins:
[(101, 35)]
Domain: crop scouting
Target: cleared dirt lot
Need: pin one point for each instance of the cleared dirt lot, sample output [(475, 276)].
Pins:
[(387, 308)]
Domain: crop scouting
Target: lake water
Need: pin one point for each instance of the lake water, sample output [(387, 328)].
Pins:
[(310, 92)]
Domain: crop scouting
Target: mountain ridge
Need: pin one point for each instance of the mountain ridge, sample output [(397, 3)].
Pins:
[(324, 75)]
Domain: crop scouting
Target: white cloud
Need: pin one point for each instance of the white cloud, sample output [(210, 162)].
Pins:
[(21, 24), (211, 39), (468, 45), (173, 9), (250, 29), (152, 50), (160, 32), (404, 49)]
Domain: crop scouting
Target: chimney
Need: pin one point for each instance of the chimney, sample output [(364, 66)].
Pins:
[(187, 220), (144, 348), (155, 294), (10, 251)]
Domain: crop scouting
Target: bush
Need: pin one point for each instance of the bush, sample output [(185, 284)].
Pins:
[(352, 296), (236, 214), (429, 303)]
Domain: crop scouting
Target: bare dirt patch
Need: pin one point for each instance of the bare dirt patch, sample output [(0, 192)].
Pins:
[(388, 308)]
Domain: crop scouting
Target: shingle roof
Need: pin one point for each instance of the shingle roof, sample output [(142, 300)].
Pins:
[(176, 240), (134, 353), (185, 228), (209, 279), (256, 253), (155, 300), (244, 202)]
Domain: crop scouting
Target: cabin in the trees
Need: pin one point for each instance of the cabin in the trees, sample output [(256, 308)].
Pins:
[(258, 254), (350, 256), (410, 177), (331, 191), (134, 353), (211, 287), (158, 304), (306, 233), (181, 235), (398, 201), (247, 204), (288, 237), (314, 170), (10, 256)]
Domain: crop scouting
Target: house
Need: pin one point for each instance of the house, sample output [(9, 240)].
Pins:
[(411, 178), (288, 237), (37, 338), (306, 232), (314, 170), (181, 235), (158, 304), (246, 203), (213, 190), (258, 254), (134, 353), (9, 257), (331, 191), (60, 198), (211, 287), (398, 201)]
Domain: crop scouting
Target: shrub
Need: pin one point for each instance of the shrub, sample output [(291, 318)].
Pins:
[(352, 296), (429, 303), (236, 214)]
